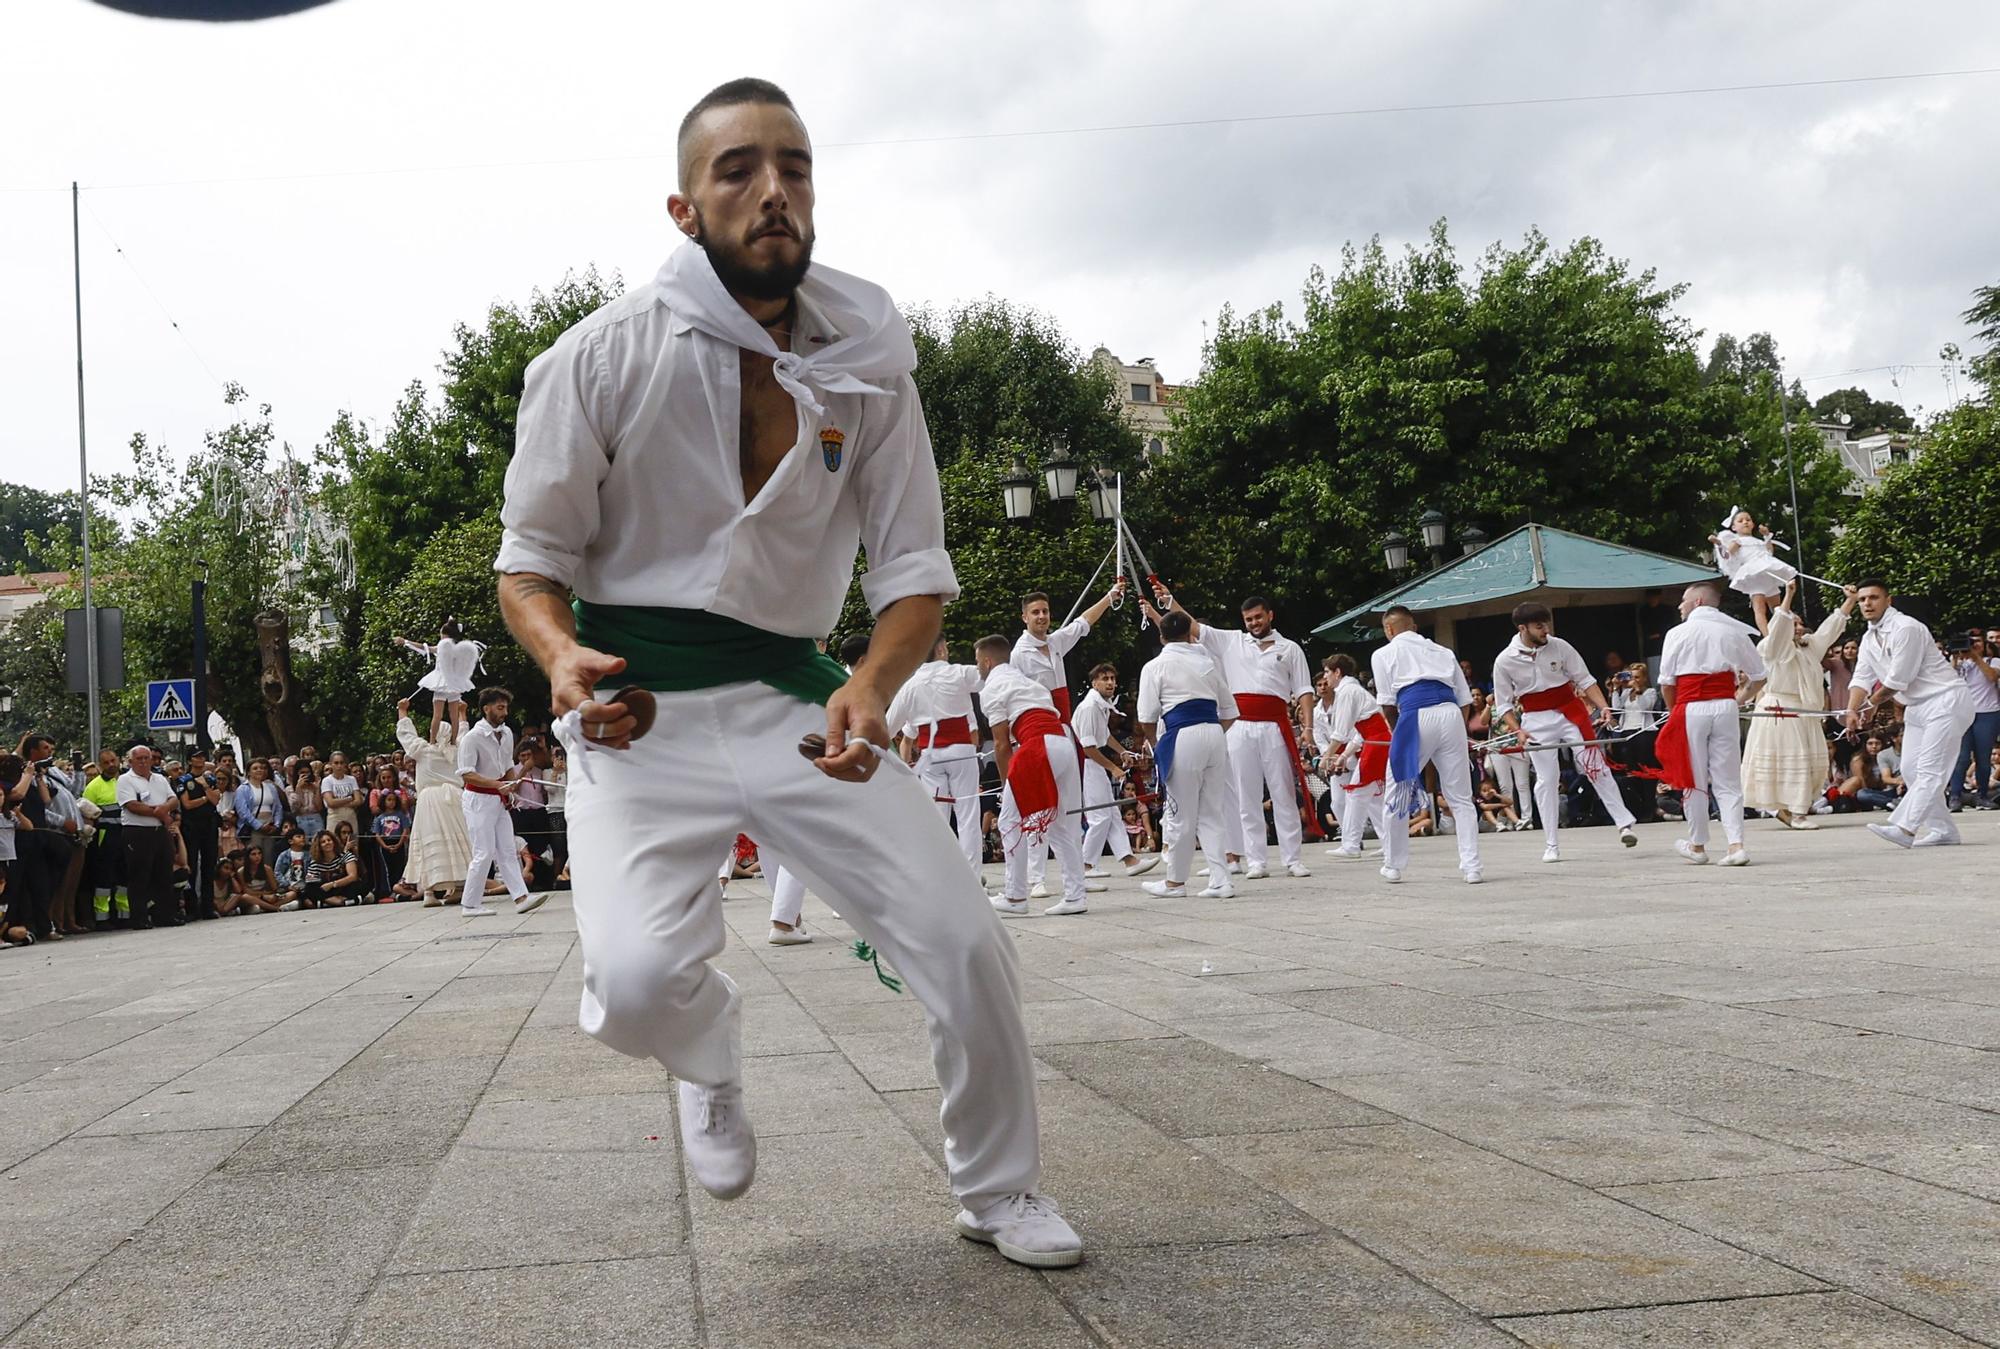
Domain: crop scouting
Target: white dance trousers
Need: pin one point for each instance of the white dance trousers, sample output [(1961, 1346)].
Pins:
[(1716, 754), (1554, 729), (1065, 836), (1510, 771), (1442, 728), (490, 831), (788, 898), (1361, 808), (1262, 764), (953, 771), (1198, 805), (1932, 731), (1106, 826), (644, 837)]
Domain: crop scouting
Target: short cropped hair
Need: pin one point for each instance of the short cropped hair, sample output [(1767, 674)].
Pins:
[(1103, 667), (1877, 583), (1175, 626), (1340, 661), (853, 647), (995, 645), (1254, 602), (1531, 611), (490, 696), (1398, 611), (734, 93), (1031, 597)]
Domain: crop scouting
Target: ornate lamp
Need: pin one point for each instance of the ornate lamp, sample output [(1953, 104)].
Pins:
[(1395, 550), (1472, 539), (1060, 470), (1017, 490)]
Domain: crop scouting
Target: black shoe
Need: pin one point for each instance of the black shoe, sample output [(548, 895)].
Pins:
[(138, 924), (208, 913)]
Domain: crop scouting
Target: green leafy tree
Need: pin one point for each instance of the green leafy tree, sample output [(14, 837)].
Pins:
[(1928, 528), (1865, 413), (28, 514)]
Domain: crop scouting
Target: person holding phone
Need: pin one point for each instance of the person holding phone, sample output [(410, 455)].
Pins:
[(1973, 658)]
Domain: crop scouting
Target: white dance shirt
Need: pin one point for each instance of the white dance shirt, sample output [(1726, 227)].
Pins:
[(627, 482), (1183, 671), (1900, 654), (1352, 705), (938, 691), (1092, 720), (487, 750), (1042, 660), (1008, 693), (1710, 642), (1411, 657), (1529, 669), (1251, 667)]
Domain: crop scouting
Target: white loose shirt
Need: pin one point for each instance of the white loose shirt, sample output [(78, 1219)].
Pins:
[(349, 787), (627, 483), (1411, 657), (1710, 642), (1251, 667), (1042, 659), (1008, 693), (1985, 694), (1352, 705), (1530, 669), (1092, 720), (1181, 672), (487, 750), (1900, 654), (151, 789), (938, 691)]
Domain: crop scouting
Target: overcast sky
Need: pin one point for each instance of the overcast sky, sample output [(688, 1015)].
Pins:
[(306, 197)]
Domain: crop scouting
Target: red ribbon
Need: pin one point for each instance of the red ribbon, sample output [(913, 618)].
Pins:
[(1676, 763), (950, 731), (1269, 707), (1373, 734), (1029, 775)]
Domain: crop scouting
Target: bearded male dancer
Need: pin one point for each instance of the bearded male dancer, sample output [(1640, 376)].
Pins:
[(699, 462), (1543, 691)]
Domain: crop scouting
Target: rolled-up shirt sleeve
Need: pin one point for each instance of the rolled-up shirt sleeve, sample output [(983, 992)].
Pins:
[(902, 509), (561, 459), (1908, 645)]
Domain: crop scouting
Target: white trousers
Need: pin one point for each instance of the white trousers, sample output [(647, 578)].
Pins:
[(1361, 808), (1716, 753), (1107, 826), (643, 841), (954, 771), (788, 898), (1262, 764), (1065, 836), (1553, 729), (1510, 771), (1198, 804), (1932, 731), (1442, 731), (490, 831)]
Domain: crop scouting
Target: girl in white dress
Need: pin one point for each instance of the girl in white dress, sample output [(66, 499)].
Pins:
[(1743, 552), (455, 663), (440, 852)]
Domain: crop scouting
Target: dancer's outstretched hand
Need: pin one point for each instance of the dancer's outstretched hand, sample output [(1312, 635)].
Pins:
[(573, 679)]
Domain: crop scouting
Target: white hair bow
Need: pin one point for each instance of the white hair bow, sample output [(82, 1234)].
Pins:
[(1729, 520)]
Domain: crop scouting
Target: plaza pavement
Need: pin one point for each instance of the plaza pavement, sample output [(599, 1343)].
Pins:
[(1614, 1102)]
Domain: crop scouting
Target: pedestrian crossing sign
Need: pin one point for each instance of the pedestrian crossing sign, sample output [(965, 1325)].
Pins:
[(170, 704)]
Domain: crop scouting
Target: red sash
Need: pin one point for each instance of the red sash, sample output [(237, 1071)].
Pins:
[(1029, 775), (1061, 699), (1269, 707), (1676, 765), (1374, 736), (1564, 698), (950, 731), (480, 791)]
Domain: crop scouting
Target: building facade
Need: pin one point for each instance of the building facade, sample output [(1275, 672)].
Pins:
[(1145, 399)]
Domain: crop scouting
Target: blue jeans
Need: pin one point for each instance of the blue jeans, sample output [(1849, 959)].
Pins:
[(1874, 799), (1978, 747), (312, 824)]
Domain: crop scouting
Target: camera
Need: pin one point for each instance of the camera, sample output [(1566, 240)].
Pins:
[(1958, 646)]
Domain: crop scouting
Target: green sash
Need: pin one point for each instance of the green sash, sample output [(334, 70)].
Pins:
[(674, 650)]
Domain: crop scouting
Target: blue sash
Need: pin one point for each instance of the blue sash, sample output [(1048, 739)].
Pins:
[(1406, 765), (1193, 712)]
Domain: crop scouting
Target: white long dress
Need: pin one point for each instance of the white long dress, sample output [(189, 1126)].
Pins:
[(1784, 758), (1751, 566), (440, 852)]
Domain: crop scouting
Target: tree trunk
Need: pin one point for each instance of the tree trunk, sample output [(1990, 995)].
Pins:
[(287, 725)]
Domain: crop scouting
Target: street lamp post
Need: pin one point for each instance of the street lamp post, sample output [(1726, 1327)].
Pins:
[(1017, 491), (1431, 525), (1395, 550), (1471, 539), (200, 616)]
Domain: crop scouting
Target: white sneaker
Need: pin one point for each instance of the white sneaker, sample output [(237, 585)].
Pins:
[(1236, 868), (1686, 849), (1039, 890), (1475, 877), (1091, 887), (1345, 854), (1935, 838), (1027, 1229), (529, 903), (1552, 854), (477, 911), (788, 936), (290, 907), (1735, 857), (1297, 870), (1256, 871), (1094, 871), (1013, 908), (1897, 836), (1165, 889), (1216, 890), (717, 1140), (1139, 866), (1628, 836), (1066, 907), (1391, 875)]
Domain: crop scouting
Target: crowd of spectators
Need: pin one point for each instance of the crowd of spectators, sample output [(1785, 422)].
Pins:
[(140, 841)]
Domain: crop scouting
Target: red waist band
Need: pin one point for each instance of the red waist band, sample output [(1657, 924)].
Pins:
[(950, 731), (1035, 723), (1701, 688), (1550, 700)]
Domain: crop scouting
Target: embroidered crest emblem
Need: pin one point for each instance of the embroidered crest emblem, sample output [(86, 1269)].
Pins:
[(830, 442)]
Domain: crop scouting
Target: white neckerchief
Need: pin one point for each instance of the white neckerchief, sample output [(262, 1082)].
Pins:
[(875, 341)]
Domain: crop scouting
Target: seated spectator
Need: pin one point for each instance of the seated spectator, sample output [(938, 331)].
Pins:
[(257, 888), (1863, 787), (333, 876), (1496, 811), (290, 871), (348, 843)]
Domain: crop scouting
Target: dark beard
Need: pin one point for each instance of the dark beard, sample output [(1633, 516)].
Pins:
[(776, 281)]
